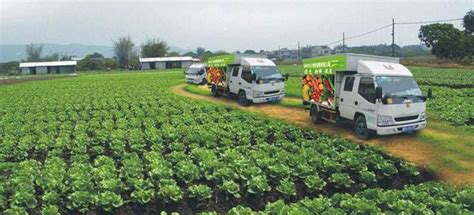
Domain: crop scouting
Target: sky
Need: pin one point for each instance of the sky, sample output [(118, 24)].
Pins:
[(220, 25)]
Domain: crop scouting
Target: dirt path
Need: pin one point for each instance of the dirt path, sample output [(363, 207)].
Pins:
[(407, 147)]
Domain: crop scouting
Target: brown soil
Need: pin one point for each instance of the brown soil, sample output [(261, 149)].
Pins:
[(408, 147)]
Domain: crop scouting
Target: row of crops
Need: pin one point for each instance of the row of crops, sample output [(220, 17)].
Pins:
[(122, 143), (453, 90)]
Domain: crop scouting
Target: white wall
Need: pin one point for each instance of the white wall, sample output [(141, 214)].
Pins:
[(25, 71), (145, 65), (41, 70), (161, 65)]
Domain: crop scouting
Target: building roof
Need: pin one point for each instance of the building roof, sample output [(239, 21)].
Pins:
[(50, 63), (158, 59)]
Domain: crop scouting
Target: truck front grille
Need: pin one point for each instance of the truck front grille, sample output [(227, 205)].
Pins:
[(271, 92), (406, 118)]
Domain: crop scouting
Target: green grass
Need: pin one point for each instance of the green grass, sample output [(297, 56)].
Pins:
[(195, 89), (292, 70), (293, 87), (453, 164)]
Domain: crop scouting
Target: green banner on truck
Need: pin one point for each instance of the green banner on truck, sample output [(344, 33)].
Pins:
[(326, 65), (221, 60)]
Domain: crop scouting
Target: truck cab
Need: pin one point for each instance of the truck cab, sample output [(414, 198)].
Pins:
[(196, 74), (378, 94), (256, 80), (253, 78), (383, 98)]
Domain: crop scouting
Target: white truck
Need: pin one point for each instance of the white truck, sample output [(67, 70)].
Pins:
[(253, 78), (378, 94), (196, 74)]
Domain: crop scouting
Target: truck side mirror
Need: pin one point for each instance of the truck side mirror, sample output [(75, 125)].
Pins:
[(254, 77), (378, 93), (430, 93)]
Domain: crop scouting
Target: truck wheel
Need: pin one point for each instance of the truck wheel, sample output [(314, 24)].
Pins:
[(214, 91), (315, 114), (242, 99), (360, 128), (204, 81)]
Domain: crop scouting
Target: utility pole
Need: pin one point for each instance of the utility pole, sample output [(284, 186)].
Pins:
[(279, 52), (343, 42), (393, 37), (299, 53)]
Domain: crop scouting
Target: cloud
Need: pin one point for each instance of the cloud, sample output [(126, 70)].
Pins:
[(217, 25)]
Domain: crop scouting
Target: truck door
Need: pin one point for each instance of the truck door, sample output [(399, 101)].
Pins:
[(234, 79), (347, 105), (365, 101), (245, 81)]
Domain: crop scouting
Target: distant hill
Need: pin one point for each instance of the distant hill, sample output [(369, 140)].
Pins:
[(17, 52)]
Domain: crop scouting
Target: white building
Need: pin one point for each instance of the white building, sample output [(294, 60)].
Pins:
[(166, 62), (52, 67)]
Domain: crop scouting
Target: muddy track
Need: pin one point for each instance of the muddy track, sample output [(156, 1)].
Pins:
[(407, 147)]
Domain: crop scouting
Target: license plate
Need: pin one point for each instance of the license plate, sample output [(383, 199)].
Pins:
[(273, 99), (408, 128)]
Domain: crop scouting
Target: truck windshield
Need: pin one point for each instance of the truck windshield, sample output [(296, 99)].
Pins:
[(399, 88), (266, 72), (192, 71)]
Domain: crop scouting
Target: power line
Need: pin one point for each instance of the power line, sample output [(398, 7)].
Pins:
[(369, 32), (391, 25), (424, 22), (360, 35)]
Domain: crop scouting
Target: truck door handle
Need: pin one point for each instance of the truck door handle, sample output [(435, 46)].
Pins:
[(240, 83), (342, 99), (230, 81), (356, 103)]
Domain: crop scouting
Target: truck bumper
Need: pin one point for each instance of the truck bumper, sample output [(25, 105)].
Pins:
[(193, 81), (268, 98), (396, 129)]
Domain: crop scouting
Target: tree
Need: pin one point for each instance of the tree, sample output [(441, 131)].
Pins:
[(52, 57), (200, 51), (154, 48), (446, 40), (468, 22), (65, 57), (33, 52), (95, 55), (9, 68), (249, 51), (96, 61), (123, 48), (172, 54), (190, 54)]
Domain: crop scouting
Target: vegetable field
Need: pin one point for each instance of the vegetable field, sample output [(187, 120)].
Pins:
[(453, 90), (122, 143)]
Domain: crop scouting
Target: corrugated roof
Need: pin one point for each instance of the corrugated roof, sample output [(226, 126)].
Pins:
[(157, 59), (50, 63)]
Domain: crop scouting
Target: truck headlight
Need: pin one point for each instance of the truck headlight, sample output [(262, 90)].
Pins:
[(257, 93), (384, 120), (423, 116)]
